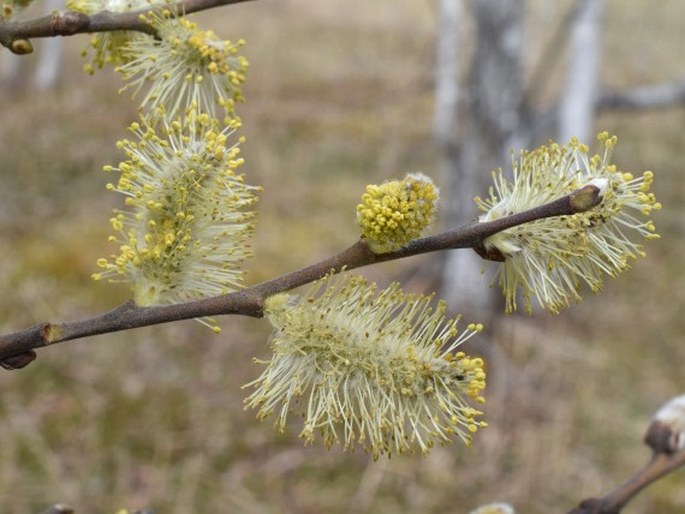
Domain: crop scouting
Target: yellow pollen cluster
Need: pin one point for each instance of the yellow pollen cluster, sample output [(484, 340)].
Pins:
[(395, 213), (215, 53)]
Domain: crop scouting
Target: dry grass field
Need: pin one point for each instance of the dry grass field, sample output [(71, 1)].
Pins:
[(339, 95)]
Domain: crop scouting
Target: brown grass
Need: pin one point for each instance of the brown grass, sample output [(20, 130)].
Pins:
[(339, 95)]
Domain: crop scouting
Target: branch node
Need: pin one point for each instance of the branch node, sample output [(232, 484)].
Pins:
[(68, 23), (51, 333)]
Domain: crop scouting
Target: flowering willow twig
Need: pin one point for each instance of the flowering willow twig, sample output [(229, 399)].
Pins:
[(666, 437), (16, 349), (548, 262), (69, 23), (659, 466)]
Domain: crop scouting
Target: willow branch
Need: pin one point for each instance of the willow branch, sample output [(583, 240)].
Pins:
[(16, 349), (667, 456), (660, 466), (69, 23)]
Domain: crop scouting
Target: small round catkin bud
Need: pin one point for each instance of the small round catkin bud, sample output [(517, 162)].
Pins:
[(666, 432), (397, 212), (588, 196), (21, 47)]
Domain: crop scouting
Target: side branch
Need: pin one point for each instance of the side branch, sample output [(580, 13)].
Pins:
[(664, 437), (16, 349), (69, 23), (644, 97)]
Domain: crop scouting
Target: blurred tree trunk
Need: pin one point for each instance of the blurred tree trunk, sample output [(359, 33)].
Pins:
[(496, 116), (578, 99), (447, 77), (490, 127), (51, 55)]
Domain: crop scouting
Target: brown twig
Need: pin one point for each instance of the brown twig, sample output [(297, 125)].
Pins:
[(667, 456), (16, 349), (659, 466), (69, 23)]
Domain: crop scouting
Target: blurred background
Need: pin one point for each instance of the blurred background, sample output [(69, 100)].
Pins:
[(341, 94)]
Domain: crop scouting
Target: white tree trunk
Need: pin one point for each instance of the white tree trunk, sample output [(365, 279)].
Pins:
[(50, 57), (578, 100), (447, 73)]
